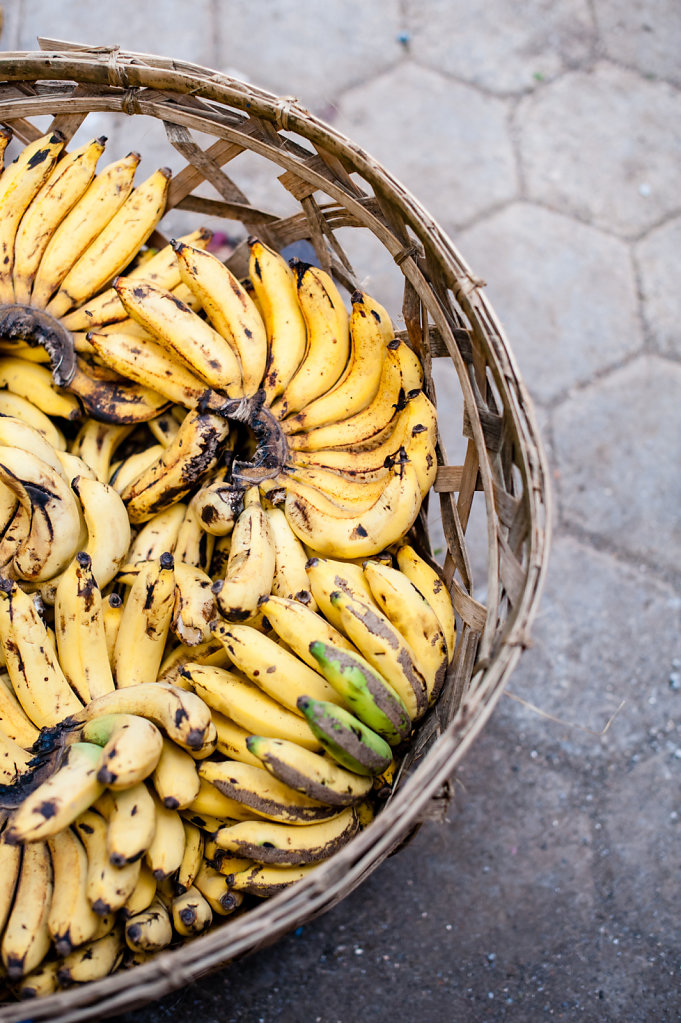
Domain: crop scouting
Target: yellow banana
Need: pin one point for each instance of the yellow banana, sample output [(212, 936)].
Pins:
[(82, 225), (175, 777), (194, 544), (290, 577), (79, 630), (164, 428), (232, 740), (26, 938), (217, 890), (112, 612), (117, 243), (131, 824), (131, 747), (114, 400), (217, 506), (191, 913), (266, 880), (429, 584), (97, 442), (211, 652), (128, 469), (264, 795), (144, 626), (15, 433), (14, 721), (71, 920), (108, 888), (64, 187), (14, 759), (151, 930), (192, 857), (93, 960), (229, 308), (299, 626), (274, 286), (6, 136), (158, 535), (143, 893), (194, 607), (250, 568), (286, 844), (315, 775), (40, 982), (107, 525), (21, 408), (347, 494), (34, 383), (10, 865), (164, 855), (213, 805)]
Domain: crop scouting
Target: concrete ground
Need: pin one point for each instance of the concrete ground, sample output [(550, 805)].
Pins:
[(546, 138)]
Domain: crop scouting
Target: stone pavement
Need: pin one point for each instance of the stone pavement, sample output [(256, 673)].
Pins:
[(546, 137)]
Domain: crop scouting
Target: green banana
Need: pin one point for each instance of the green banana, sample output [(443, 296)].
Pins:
[(350, 742)]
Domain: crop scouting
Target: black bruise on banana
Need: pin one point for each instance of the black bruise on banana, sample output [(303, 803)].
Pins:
[(260, 804)]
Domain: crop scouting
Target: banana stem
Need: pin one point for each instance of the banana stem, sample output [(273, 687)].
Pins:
[(38, 328), (272, 446)]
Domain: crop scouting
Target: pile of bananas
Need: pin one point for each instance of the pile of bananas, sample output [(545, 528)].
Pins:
[(215, 634)]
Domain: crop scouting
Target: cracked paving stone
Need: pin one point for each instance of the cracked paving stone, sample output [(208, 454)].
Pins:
[(658, 262), (605, 632), (500, 46), (446, 142), (604, 145), (618, 449), (313, 50), (564, 292), (645, 35)]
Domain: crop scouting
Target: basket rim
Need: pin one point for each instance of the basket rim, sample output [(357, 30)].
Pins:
[(128, 70)]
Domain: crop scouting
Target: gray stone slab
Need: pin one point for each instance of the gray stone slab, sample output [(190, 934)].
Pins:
[(311, 50), (618, 448), (604, 145), (167, 28), (500, 46), (565, 294), (445, 141), (646, 35), (657, 257)]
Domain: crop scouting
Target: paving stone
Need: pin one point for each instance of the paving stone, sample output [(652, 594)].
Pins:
[(308, 49), (646, 35), (564, 292), (657, 259), (500, 46), (605, 146), (445, 141), (605, 632), (618, 448), (170, 29)]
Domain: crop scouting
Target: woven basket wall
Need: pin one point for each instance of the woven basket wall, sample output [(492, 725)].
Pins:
[(212, 122)]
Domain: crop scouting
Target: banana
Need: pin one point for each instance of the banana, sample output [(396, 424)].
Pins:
[(356, 494), (220, 558), (250, 568), (66, 184), (413, 617), (108, 527), (14, 760), (71, 920), (19, 185), (113, 248), (164, 428), (264, 795), (26, 938), (216, 506), (72, 466), (328, 340), (150, 930), (191, 913), (143, 631), (107, 887), (112, 612), (96, 443), (21, 408), (298, 626), (233, 740), (82, 225), (131, 748), (432, 588), (131, 824), (365, 424), (93, 960), (117, 400), (274, 286), (229, 308), (37, 679), (40, 982), (178, 329), (14, 721), (351, 743), (267, 880), (317, 776), (370, 334), (206, 822), (158, 535), (327, 575), (164, 854), (352, 535), (143, 893), (128, 469), (34, 383), (183, 716), (385, 649), (217, 891), (211, 652), (80, 632), (161, 269), (175, 777), (6, 136), (194, 606), (364, 691), (179, 468), (290, 576), (10, 865), (276, 671), (192, 857), (285, 844), (15, 433), (213, 805), (247, 705), (195, 545)]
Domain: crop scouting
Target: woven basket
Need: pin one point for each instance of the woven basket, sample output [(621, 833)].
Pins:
[(211, 120)]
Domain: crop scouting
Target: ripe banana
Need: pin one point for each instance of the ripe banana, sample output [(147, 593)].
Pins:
[(217, 505), (164, 428), (317, 776), (370, 334), (107, 887), (165, 852), (194, 606), (194, 544), (211, 652), (66, 184), (216, 890), (432, 588), (26, 938), (96, 443), (14, 721), (144, 626), (10, 865), (15, 433), (262, 794), (175, 777), (40, 982), (143, 893), (286, 844), (265, 880), (14, 760), (128, 469), (229, 308), (191, 913), (351, 743), (290, 577), (150, 930), (82, 225), (415, 620), (250, 567), (131, 747), (328, 340), (131, 823), (107, 525), (178, 329), (115, 401), (58, 800), (71, 920), (194, 844), (158, 535), (93, 960), (117, 243), (298, 626), (80, 632), (232, 740), (12, 404)]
